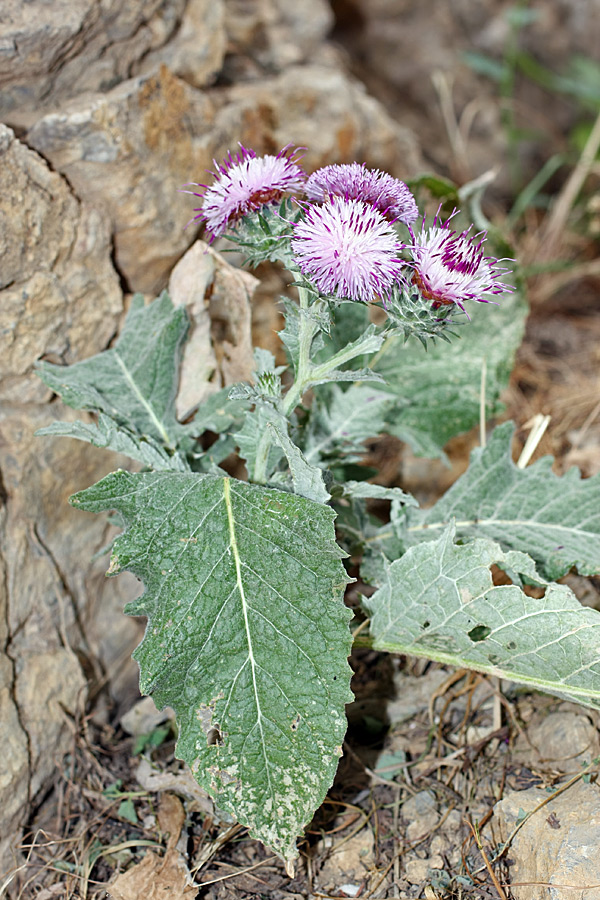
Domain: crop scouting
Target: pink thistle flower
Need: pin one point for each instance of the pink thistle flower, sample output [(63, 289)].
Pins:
[(243, 184), (450, 268), (355, 182), (347, 248)]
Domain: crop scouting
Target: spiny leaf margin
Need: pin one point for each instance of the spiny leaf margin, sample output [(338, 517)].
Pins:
[(555, 519)]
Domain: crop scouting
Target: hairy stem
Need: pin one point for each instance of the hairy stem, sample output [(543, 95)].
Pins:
[(307, 331)]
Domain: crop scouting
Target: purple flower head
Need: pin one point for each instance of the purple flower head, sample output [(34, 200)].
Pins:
[(347, 248), (245, 183), (355, 182), (450, 268)]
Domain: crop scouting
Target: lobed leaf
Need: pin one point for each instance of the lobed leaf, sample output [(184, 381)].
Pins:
[(437, 393), (109, 435), (555, 519), (439, 601), (134, 382), (340, 421), (247, 636)]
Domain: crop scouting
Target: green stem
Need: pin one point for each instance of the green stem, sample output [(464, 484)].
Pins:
[(307, 329)]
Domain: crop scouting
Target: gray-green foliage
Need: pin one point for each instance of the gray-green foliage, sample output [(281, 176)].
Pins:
[(437, 393), (341, 420), (109, 435), (439, 601), (134, 382), (554, 519), (247, 636)]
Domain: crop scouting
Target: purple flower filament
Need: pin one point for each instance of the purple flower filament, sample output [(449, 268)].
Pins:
[(450, 268), (347, 249), (245, 183), (354, 181)]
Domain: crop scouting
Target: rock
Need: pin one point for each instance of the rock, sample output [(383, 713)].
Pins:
[(564, 741), (350, 862), (319, 107), (61, 297), (420, 811), (196, 51), (144, 717), (61, 293), (557, 846), (51, 602), (130, 150), (52, 53), (418, 870), (413, 693), (274, 34)]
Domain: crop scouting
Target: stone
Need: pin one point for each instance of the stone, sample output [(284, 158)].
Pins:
[(321, 108), (421, 814), (557, 846), (350, 861), (144, 717), (274, 34), (61, 295), (45, 603), (564, 741), (129, 151), (418, 870), (50, 53)]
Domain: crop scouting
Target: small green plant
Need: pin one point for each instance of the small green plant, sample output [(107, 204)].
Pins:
[(248, 636)]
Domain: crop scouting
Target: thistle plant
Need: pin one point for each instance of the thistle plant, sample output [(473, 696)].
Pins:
[(248, 636)]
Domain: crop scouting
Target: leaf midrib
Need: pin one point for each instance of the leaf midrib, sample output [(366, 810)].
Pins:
[(242, 593), (135, 389), (469, 523)]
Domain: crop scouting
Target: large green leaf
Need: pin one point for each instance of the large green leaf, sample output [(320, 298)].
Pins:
[(439, 601), (554, 519), (437, 392), (247, 636), (135, 381)]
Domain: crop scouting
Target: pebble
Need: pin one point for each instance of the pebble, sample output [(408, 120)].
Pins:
[(420, 812)]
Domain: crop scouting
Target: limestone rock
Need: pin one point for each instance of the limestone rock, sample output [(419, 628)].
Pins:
[(61, 293), (53, 52), (350, 861), (418, 870), (61, 298), (319, 107), (557, 845), (130, 150), (275, 34), (421, 814), (49, 602), (563, 740)]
